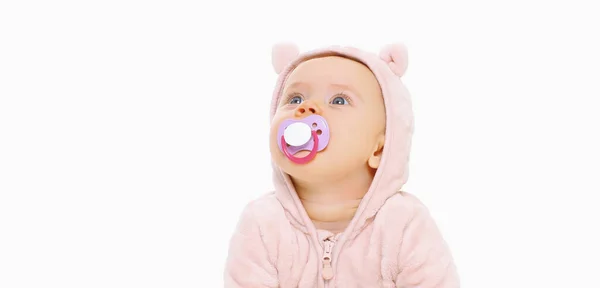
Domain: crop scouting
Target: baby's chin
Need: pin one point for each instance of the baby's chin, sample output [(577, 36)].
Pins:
[(295, 169)]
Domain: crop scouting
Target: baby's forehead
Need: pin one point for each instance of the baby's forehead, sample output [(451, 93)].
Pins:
[(332, 70), (328, 63)]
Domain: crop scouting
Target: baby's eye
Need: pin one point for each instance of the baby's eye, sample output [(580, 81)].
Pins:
[(295, 100), (339, 101)]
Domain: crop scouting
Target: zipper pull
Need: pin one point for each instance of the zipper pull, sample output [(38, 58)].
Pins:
[(327, 269)]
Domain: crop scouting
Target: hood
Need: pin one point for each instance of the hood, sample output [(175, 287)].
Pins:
[(388, 67)]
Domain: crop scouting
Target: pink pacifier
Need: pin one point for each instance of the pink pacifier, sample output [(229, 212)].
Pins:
[(295, 135)]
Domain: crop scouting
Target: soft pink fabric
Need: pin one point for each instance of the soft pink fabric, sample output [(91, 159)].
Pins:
[(392, 240)]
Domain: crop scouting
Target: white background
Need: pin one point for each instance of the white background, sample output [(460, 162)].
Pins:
[(132, 133)]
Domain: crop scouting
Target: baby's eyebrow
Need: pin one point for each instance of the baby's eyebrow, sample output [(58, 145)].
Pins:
[(342, 86), (297, 85), (345, 87), (304, 85)]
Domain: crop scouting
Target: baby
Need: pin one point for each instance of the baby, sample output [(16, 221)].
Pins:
[(341, 128)]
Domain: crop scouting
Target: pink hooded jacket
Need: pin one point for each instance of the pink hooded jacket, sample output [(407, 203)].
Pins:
[(392, 240)]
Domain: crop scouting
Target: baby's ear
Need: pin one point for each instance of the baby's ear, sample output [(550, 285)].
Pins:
[(283, 54), (396, 56)]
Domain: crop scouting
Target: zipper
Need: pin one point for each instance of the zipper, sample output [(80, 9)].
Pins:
[(327, 269)]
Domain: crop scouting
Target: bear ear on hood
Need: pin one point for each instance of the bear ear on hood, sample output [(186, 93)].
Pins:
[(396, 56), (283, 54)]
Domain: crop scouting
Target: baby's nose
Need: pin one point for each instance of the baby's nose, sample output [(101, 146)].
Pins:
[(307, 108)]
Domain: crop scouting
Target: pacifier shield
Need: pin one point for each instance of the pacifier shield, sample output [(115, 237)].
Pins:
[(307, 134)]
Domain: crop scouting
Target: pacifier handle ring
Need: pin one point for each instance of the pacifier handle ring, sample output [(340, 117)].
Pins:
[(308, 157)]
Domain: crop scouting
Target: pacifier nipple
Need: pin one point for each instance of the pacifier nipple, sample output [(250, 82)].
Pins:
[(297, 134)]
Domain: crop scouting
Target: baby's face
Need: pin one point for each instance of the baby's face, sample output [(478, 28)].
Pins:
[(348, 96)]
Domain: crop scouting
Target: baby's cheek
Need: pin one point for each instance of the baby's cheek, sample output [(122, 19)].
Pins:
[(344, 143), (347, 130), (273, 139), (275, 125), (353, 139)]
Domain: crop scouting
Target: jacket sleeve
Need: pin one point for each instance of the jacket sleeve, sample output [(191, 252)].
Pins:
[(248, 264), (425, 260)]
